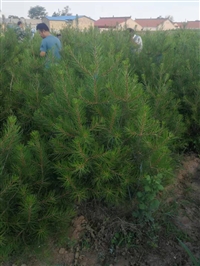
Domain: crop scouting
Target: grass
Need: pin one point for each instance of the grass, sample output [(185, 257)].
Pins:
[(194, 260)]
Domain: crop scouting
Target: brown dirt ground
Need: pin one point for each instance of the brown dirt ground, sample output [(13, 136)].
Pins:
[(95, 227)]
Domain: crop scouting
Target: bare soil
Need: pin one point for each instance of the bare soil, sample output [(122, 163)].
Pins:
[(102, 236)]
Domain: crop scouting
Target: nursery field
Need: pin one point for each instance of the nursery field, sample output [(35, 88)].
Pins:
[(99, 155)]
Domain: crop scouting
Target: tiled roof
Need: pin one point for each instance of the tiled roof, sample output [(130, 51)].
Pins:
[(193, 24), (108, 22), (150, 22), (188, 25)]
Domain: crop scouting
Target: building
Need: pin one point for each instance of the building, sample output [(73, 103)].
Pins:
[(32, 23), (179, 25), (106, 23), (61, 22), (193, 25), (154, 24)]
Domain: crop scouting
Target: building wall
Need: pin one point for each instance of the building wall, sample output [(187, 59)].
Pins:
[(83, 23), (32, 22), (57, 25), (130, 23), (15, 20), (46, 21), (149, 28), (103, 29), (167, 25)]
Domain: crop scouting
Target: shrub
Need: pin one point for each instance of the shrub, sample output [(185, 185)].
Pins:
[(104, 124)]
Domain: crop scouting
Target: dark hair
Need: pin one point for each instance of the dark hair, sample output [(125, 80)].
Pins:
[(42, 27), (130, 30), (19, 23)]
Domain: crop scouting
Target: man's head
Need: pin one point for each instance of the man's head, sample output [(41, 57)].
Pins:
[(43, 30), (20, 24)]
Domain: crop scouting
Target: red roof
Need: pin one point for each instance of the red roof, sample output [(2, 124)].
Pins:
[(109, 22), (193, 24), (188, 25), (150, 22)]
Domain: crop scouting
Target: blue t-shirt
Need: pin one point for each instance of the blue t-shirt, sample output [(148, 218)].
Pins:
[(51, 45)]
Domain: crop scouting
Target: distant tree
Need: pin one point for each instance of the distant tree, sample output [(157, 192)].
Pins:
[(160, 17), (64, 12), (56, 14), (170, 18), (12, 16), (37, 12)]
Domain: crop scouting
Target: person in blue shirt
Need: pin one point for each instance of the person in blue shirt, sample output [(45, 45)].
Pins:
[(50, 47)]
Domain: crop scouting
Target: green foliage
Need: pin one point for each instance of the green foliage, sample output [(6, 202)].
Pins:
[(100, 125), (30, 208), (105, 124), (119, 240), (169, 70), (64, 12), (147, 197), (37, 12)]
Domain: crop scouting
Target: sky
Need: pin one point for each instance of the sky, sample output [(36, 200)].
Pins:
[(180, 10)]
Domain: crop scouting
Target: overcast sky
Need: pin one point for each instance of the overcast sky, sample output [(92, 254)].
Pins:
[(180, 10)]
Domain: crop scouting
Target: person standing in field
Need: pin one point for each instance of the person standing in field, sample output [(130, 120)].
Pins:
[(50, 46), (20, 31), (20, 25), (136, 39)]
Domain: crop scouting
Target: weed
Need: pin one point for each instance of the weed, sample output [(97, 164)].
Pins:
[(194, 260), (148, 203)]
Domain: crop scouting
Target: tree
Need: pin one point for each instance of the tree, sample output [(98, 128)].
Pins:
[(12, 16), (56, 14), (170, 18), (37, 12), (160, 17), (64, 12)]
